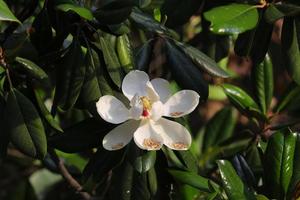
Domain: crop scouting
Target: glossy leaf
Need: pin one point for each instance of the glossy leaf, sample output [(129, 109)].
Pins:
[(113, 12), (145, 162), (219, 128), (189, 160), (263, 78), (272, 14), (6, 14), (255, 43), (31, 68), (81, 11), (147, 22), (71, 77), (112, 62), (202, 60), (293, 186), (241, 100), (278, 163), (24, 125), (233, 185), (290, 48), (228, 148), (185, 72), (100, 164), (144, 55), (289, 98), (236, 18), (191, 179), (243, 170), (152, 181), (45, 113), (95, 82), (81, 136), (124, 51)]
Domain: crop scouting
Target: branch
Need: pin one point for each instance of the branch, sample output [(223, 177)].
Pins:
[(68, 177)]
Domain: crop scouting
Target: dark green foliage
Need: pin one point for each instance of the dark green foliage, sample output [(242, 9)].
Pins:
[(58, 57)]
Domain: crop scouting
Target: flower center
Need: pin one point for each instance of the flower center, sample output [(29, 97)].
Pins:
[(146, 106)]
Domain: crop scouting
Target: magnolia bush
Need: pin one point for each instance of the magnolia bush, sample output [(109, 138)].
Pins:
[(149, 99)]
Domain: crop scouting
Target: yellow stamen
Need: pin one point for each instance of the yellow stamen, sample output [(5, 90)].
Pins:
[(179, 145), (146, 103), (151, 143)]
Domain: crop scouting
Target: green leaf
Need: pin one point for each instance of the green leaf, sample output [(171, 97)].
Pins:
[(236, 18), (189, 160), (147, 22), (152, 181), (95, 82), (272, 14), (192, 179), (112, 62), (71, 74), (82, 12), (124, 51), (31, 68), (241, 100), (290, 48), (25, 126), (219, 128), (184, 72), (6, 14), (289, 98), (101, 163), (142, 161), (81, 136), (263, 77), (202, 60), (296, 170), (113, 12), (278, 163), (45, 113), (228, 148), (261, 197), (255, 43), (144, 55), (233, 185), (287, 9)]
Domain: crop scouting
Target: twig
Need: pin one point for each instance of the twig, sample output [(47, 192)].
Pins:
[(68, 177)]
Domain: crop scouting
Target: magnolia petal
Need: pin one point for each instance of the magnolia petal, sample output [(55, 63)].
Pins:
[(157, 110), (181, 103), (135, 83), (151, 93), (175, 135), (136, 109), (162, 87), (112, 109), (120, 136), (146, 138)]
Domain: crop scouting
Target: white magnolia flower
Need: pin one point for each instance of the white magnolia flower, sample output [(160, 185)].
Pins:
[(149, 102)]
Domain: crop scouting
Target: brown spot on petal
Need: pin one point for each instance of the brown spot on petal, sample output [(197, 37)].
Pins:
[(117, 146), (175, 114), (179, 145), (151, 143)]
